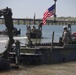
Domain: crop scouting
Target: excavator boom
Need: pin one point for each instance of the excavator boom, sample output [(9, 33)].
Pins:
[(7, 14)]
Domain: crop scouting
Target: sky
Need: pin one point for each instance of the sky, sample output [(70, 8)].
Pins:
[(27, 8)]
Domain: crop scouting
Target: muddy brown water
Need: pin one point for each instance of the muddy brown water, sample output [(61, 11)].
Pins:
[(52, 69)]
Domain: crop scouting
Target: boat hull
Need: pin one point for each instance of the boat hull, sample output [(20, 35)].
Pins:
[(47, 54)]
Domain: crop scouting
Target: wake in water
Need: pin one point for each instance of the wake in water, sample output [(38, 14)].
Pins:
[(20, 37), (5, 39)]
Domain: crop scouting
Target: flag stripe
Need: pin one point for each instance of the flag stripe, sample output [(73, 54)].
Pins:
[(48, 13)]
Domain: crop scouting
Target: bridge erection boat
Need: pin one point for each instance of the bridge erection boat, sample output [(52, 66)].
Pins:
[(33, 32), (15, 32)]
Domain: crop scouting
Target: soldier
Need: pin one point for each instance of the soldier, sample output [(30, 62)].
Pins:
[(40, 26), (66, 36)]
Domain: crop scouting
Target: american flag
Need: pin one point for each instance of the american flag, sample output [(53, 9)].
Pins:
[(48, 13)]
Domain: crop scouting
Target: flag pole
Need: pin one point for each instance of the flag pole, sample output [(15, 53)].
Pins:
[(55, 10)]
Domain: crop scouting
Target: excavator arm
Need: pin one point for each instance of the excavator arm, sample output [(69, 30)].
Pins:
[(7, 14)]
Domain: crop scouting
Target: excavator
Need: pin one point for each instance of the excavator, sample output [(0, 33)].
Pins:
[(7, 14)]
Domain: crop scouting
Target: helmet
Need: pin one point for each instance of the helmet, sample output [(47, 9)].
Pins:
[(64, 27)]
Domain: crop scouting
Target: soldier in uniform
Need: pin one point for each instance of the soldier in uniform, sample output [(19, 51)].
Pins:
[(66, 36)]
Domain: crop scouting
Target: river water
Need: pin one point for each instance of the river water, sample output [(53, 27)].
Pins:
[(68, 68)]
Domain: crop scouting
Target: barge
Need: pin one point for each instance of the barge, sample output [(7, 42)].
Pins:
[(45, 53)]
